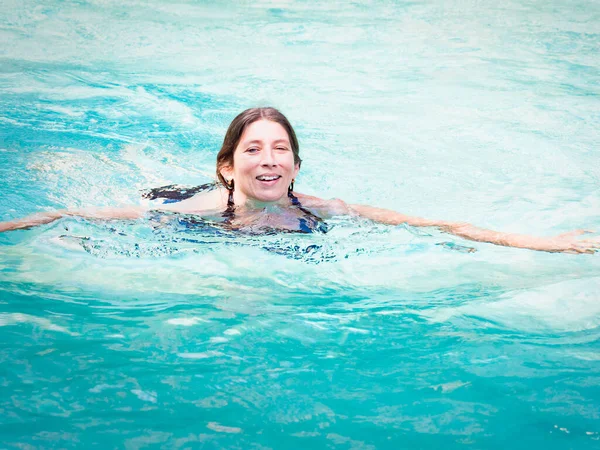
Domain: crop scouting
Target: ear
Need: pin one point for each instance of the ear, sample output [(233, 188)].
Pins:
[(227, 172), (296, 169)]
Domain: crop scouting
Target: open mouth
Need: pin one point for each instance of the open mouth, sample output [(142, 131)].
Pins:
[(271, 179)]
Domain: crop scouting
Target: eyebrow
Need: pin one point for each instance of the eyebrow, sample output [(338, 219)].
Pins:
[(258, 141)]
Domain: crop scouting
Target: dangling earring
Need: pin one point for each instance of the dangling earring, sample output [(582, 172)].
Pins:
[(230, 187), (291, 189)]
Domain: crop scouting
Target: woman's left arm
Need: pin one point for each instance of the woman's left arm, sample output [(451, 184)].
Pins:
[(564, 243)]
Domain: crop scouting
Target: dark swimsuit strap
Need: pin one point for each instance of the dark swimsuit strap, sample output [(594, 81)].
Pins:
[(310, 221), (229, 213)]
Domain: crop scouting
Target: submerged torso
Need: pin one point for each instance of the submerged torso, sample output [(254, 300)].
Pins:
[(288, 218)]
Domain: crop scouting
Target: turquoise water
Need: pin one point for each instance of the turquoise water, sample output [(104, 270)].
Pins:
[(116, 335)]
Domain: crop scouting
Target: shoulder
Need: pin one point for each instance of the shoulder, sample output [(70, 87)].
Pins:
[(214, 200), (325, 207)]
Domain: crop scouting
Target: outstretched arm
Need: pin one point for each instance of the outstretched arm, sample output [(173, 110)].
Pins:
[(130, 212), (565, 243), (196, 204)]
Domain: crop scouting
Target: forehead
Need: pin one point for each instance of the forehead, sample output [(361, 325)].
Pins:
[(264, 130)]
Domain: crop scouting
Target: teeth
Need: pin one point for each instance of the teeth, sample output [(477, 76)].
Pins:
[(264, 178)]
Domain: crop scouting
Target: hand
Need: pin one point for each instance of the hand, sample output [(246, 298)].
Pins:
[(569, 243), (563, 243)]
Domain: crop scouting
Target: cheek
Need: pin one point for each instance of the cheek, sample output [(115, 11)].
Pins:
[(241, 164)]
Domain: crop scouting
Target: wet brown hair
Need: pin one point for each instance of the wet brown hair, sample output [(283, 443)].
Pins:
[(237, 127)]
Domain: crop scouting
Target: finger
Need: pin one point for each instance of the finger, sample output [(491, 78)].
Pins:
[(588, 249), (575, 233), (571, 251), (590, 243), (579, 248), (580, 251)]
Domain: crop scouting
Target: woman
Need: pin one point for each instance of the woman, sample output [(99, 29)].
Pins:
[(256, 168)]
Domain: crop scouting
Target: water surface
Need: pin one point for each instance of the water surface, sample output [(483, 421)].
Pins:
[(116, 335)]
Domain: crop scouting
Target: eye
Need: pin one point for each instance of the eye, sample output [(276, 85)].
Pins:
[(285, 149), (252, 150)]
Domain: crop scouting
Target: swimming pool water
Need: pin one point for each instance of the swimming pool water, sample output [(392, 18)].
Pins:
[(116, 335)]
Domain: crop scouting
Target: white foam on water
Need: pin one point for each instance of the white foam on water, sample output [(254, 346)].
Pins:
[(145, 396), (185, 321), (566, 306), (8, 319), (223, 428), (200, 355)]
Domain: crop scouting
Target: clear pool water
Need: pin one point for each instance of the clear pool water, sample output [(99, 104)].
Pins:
[(370, 337)]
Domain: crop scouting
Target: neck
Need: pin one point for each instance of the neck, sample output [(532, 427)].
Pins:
[(241, 200)]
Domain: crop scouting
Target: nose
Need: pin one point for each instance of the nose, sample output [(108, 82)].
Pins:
[(268, 158)]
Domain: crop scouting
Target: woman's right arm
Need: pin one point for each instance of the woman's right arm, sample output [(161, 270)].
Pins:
[(194, 205), (108, 213)]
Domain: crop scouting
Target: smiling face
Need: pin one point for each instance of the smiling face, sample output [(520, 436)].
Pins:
[(263, 163)]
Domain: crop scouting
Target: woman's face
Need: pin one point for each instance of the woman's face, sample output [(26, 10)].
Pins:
[(263, 163)]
